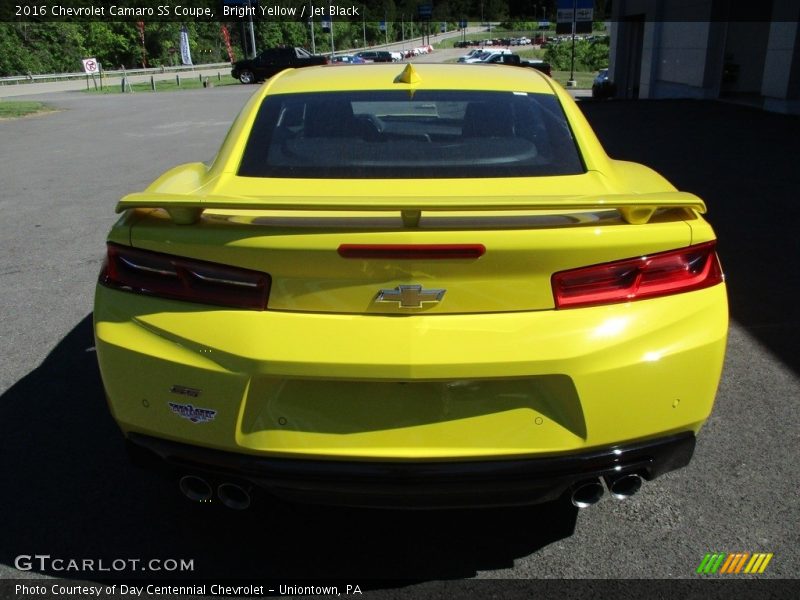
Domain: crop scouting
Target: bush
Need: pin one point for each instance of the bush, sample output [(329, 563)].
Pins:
[(589, 55)]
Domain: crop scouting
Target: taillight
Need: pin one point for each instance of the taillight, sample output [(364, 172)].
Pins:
[(684, 270), (179, 278)]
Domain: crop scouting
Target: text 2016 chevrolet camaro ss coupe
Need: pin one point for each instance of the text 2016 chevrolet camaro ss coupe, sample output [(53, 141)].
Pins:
[(426, 286)]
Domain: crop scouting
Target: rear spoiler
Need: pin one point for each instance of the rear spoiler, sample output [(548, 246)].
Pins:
[(634, 208)]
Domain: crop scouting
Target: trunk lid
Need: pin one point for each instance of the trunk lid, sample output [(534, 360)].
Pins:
[(524, 239)]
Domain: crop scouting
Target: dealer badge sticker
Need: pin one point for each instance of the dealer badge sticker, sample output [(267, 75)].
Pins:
[(195, 415)]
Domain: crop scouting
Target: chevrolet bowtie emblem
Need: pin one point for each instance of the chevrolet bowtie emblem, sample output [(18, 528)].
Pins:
[(410, 296)]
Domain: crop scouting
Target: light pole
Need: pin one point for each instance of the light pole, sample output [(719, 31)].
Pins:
[(571, 81)]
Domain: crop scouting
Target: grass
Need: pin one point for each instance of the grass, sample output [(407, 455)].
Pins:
[(188, 82), (583, 79), (15, 109), (529, 53)]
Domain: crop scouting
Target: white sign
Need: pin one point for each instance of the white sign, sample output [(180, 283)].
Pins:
[(90, 66), (564, 15), (186, 55)]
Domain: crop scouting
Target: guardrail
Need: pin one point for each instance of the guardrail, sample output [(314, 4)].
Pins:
[(26, 79)]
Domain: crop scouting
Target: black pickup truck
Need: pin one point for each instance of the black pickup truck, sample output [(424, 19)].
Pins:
[(514, 59), (274, 60)]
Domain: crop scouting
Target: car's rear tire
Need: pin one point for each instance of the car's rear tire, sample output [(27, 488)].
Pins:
[(247, 77)]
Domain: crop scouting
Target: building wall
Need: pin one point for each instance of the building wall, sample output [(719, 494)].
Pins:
[(681, 59), (688, 50), (746, 48)]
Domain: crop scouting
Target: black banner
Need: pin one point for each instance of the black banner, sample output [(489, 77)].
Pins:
[(716, 588), (476, 12)]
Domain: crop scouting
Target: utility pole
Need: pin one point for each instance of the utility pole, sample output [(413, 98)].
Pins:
[(571, 82), (252, 33)]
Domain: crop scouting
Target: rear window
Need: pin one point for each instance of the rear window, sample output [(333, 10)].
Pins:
[(407, 134)]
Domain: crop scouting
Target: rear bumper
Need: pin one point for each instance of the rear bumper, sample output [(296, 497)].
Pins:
[(418, 388), (420, 484)]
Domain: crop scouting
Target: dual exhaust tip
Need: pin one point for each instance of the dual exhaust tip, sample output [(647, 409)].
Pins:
[(237, 497), (232, 495), (589, 492)]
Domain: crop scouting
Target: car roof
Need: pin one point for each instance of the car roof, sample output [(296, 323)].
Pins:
[(431, 76)]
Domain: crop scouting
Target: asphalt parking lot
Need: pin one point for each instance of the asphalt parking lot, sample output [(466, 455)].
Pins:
[(69, 492)]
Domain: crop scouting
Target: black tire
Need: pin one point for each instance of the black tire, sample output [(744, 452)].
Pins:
[(247, 77)]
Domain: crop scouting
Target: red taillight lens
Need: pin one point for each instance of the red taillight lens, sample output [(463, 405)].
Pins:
[(672, 272), (179, 278)]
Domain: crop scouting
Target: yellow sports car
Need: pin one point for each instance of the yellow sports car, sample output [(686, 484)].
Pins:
[(411, 286)]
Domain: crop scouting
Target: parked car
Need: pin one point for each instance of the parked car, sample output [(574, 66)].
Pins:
[(422, 286), (602, 86), (488, 55), (376, 55), (477, 57), (539, 65), (272, 61), (349, 59), (471, 54)]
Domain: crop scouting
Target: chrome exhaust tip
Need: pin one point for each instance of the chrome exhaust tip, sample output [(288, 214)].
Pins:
[(624, 486), (234, 496), (195, 488), (586, 493)]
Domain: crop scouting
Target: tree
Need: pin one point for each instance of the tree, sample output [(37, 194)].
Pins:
[(589, 56)]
